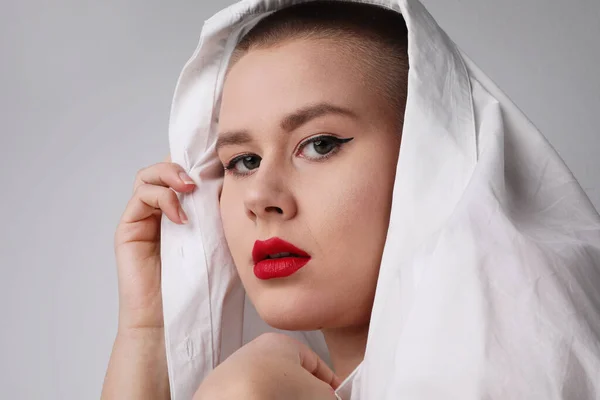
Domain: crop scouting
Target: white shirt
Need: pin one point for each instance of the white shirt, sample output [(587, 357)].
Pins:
[(489, 281)]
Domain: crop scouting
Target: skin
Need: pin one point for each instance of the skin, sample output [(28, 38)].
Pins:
[(344, 199), (271, 367), (138, 367), (335, 208)]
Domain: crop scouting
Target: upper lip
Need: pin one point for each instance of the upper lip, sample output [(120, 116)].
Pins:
[(264, 248)]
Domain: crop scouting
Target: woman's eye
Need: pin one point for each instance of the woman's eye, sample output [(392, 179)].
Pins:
[(321, 147), (242, 165)]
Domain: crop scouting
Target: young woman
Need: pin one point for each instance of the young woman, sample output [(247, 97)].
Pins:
[(396, 227)]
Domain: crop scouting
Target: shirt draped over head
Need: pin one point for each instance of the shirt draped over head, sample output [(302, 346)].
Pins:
[(489, 281)]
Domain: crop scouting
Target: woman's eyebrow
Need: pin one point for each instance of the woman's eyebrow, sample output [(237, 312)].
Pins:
[(232, 138), (303, 115), (289, 123)]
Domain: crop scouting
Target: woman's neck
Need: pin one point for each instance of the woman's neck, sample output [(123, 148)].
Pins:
[(346, 348)]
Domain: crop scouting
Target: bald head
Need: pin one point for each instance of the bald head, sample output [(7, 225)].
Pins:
[(375, 36)]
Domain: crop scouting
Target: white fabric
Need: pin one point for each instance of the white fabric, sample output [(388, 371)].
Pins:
[(489, 286)]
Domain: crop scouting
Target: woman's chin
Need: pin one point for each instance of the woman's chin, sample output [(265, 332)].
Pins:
[(292, 323), (291, 312)]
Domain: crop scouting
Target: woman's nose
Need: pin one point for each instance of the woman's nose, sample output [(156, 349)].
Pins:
[(268, 197)]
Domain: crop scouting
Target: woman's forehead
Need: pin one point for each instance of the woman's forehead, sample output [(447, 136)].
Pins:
[(286, 79)]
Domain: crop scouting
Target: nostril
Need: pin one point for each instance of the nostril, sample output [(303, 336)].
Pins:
[(276, 209)]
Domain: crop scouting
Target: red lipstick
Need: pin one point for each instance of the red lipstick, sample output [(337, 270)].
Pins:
[(276, 258)]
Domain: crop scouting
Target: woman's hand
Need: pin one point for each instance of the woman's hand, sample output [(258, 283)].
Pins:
[(138, 367), (271, 367), (137, 243)]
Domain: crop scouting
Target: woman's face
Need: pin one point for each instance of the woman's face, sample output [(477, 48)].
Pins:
[(329, 197)]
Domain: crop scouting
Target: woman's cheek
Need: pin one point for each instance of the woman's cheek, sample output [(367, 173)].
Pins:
[(354, 218), (233, 219)]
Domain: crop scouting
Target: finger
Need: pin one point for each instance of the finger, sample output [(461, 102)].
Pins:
[(164, 174), (301, 353), (147, 199), (168, 159), (310, 361)]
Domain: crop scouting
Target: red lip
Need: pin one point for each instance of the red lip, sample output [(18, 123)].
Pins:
[(268, 268)]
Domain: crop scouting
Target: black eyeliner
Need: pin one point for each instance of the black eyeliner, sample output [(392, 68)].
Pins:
[(328, 137)]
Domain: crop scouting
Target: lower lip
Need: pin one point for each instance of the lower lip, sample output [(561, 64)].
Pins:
[(279, 267)]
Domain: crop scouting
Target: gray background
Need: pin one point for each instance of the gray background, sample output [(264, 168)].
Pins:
[(85, 94)]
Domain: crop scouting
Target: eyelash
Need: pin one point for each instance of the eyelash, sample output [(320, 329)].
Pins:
[(338, 143)]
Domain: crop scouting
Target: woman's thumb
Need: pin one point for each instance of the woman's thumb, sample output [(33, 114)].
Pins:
[(311, 362)]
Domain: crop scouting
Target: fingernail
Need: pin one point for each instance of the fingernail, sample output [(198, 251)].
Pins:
[(185, 178), (183, 217), (335, 394)]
